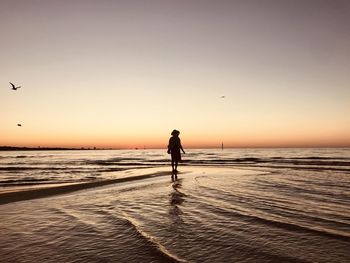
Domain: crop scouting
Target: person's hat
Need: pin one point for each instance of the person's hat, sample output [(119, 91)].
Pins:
[(175, 132)]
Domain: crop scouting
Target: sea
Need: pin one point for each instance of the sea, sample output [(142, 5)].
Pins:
[(230, 205)]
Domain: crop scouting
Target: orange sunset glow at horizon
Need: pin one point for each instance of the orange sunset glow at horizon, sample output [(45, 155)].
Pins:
[(124, 74)]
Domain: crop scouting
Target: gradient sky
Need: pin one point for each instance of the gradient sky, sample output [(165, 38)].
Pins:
[(125, 73)]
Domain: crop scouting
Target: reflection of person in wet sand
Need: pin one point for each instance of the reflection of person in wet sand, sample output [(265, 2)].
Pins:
[(177, 195), (174, 148), (176, 199)]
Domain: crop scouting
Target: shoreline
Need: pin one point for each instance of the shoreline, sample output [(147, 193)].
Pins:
[(35, 193), (19, 148), (128, 176)]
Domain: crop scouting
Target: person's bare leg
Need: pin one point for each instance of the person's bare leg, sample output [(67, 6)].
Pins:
[(176, 163), (172, 165)]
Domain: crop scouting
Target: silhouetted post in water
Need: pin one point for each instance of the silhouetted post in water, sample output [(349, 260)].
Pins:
[(174, 148)]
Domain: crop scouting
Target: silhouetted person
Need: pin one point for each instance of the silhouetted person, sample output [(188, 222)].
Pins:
[(174, 148)]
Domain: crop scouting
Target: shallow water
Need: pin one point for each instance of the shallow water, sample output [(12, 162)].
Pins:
[(28, 168), (258, 213)]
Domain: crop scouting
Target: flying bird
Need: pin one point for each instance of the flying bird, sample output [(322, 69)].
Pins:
[(14, 87), (222, 97), (19, 125)]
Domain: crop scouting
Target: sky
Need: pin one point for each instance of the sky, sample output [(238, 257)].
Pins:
[(124, 74)]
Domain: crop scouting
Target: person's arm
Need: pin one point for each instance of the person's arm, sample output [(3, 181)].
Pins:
[(169, 146), (182, 149), (181, 146)]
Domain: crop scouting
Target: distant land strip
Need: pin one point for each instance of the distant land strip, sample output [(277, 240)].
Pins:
[(16, 148)]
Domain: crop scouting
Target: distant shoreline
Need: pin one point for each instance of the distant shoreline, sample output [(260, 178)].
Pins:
[(20, 148), (12, 148)]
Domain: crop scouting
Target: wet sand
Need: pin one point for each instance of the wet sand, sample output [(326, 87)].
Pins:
[(28, 193), (207, 214)]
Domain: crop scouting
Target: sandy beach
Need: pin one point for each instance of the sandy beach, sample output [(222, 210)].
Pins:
[(207, 214), (16, 194)]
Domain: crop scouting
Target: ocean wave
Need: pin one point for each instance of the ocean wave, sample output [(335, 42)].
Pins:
[(230, 211), (34, 182), (297, 227), (249, 160), (153, 244), (19, 168), (323, 158), (279, 162)]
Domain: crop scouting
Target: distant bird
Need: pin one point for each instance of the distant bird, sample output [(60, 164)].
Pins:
[(19, 125), (222, 97), (14, 87)]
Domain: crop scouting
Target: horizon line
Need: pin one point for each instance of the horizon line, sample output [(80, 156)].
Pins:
[(7, 147)]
